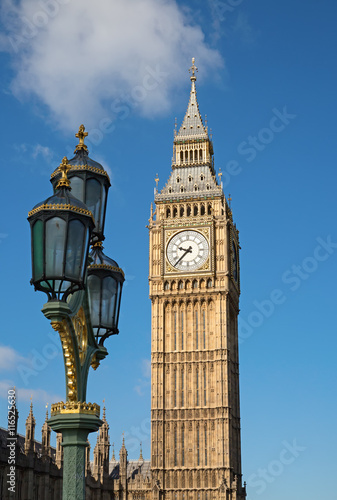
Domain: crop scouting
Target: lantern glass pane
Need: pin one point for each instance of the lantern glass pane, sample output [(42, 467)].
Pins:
[(55, 241), (74, 255), (94, 292), (119, 296), (85, 251), (77, 187), (108, 302), (93, 198), (38, 250), (104, 195)]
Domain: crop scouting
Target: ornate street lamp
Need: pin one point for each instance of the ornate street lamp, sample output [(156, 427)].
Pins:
[(84, 295), (89, 183)]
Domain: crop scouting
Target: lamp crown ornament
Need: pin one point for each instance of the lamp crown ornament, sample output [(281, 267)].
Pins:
[(81, 135), (64, 168)]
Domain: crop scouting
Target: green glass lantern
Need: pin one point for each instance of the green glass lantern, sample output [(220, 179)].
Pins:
[(61, 228), (104, 285)]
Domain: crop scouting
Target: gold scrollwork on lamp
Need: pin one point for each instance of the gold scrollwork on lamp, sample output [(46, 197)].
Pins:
[(94, 362), (81, 331), (75, 407), (69, 358)]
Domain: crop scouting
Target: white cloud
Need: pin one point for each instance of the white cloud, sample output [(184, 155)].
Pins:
[(27, 394), (38, 395), (44, 151), (39, 158), (88, 61), (10, 359)]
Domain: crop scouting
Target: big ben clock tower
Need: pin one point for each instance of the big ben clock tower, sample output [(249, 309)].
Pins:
[(194, 289)]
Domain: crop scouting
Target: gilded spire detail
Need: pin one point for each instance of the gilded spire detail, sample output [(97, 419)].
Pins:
[(81, 135)]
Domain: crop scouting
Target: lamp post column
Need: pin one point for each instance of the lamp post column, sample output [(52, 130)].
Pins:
[(75, 428)]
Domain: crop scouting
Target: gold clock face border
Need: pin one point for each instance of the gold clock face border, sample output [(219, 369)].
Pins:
[(170, 233)]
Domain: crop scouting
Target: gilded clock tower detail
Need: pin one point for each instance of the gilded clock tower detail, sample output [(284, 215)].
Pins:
[(194, 289)]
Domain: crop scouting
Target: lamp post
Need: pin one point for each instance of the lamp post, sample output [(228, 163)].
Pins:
[(84, 295)]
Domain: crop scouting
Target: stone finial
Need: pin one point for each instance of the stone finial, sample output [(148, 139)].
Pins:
[(46, 432), (30, 430), (193, 69)]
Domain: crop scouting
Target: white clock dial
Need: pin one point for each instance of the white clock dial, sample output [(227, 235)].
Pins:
[(187, 250)]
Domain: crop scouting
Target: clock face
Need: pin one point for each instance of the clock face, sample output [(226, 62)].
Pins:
[(187, 250)]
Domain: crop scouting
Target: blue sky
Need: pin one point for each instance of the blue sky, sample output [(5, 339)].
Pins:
[(267, 81)]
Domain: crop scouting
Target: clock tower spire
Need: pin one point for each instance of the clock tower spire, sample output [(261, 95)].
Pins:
[(192, 145), (194, 290)]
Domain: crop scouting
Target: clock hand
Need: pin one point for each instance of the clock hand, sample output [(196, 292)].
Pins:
[(189, 250)]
